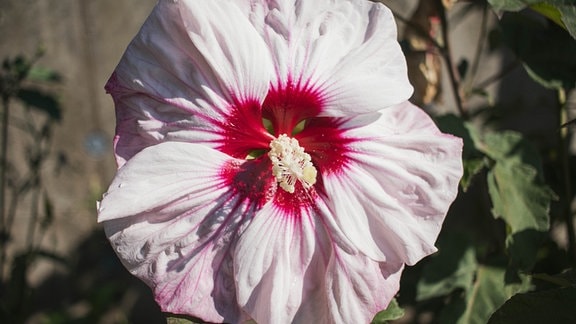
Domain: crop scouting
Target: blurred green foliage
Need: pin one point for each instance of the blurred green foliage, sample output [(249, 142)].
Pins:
[(498, 261)]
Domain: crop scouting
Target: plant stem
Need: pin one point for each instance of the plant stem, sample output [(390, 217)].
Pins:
[(479, 48), (3, 165), (422, 33), (498, 76), (445, 51), (564, 140)]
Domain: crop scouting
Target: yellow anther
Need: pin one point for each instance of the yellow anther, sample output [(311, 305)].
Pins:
[(291, 164)]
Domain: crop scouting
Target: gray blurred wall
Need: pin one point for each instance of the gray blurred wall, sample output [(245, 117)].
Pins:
[(83, 41)]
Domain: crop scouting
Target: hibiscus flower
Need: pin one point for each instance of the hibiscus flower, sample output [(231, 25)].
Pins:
[(270, 167)]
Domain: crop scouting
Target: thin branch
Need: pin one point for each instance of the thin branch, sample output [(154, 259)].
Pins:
[(422, 33), (3, 166), (498, 76), (479, 46), (564, 140), (568, 123), (445, 51)]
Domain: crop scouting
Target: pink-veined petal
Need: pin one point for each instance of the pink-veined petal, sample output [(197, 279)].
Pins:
[(292, 269), (358, 287), (143, 121), (269, 264), (346, 49), (344, 285), (188, 65), (173, 221), (231, 46), (391, 199)]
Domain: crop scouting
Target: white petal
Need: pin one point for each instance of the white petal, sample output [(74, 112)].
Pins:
[(231, 46), (291, 269), (173, 224), (347, 49), (270, 261), (142, 121), (190, 62), (358, 288), (392, 198), (342, 286)]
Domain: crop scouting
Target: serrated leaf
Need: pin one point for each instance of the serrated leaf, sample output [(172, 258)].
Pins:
[(551, 306), (518, 193), (518, 198), (392, 312), (452, 267), (486, 295)]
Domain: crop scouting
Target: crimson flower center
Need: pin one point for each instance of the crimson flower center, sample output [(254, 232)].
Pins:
[(285, 141)]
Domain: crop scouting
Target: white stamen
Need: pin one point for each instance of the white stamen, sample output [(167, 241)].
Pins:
[(290, 163)]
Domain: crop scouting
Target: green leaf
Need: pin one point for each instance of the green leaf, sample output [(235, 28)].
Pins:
[(518, 193), (452, 267), (471, 168), (523, 247), (454, 125), (551, 306), (473, 159), (568, 13), (485, 296), (546, 50), (517, 197), (562, 12), (37, 73), (42, 101), (508, 5), (176, 319), (392, 312), (549, 11), (565, 279)]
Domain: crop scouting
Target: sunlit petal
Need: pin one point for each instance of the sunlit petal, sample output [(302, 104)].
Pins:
[(173, 223), (357, 287), (186, 65), (270, 261), (294, 270), (392, 199), (347, 49)]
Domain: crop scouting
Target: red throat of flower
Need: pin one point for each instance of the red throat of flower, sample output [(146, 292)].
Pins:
[(287, 134)]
